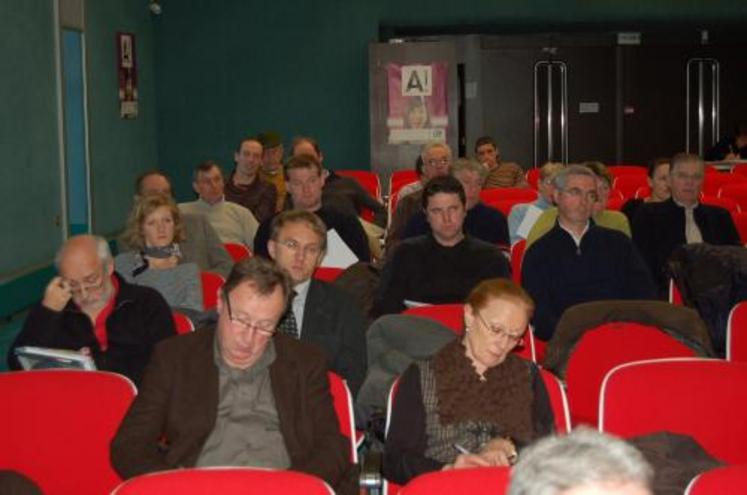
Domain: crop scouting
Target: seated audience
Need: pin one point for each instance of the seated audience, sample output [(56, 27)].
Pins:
[(319, 312), (732, 147), (584, 462), (522, 217), (89, 308), (658, 182), (245, 187), (500, 174), (236, 394), (602, 216), (155, 230), (436, 162), (482, 222), (440, 267), (304, 179), (473, 403), (233, 222), (201, 244), (272, 165), (658, 228), (577, 260)]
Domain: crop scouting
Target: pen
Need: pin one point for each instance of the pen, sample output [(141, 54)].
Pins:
[(461, 449)]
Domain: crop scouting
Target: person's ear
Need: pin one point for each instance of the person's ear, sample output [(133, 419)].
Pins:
[(469, 316), (271, 248)]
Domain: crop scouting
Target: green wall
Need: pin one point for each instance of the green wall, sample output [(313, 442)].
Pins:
[(239, 67)]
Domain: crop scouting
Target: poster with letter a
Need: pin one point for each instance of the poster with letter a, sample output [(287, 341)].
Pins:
[(127, 75), (417, 103)]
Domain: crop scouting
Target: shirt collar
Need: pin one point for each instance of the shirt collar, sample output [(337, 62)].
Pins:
[(578, 239), (302, 289)]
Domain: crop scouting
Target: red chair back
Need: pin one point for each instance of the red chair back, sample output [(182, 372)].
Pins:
[(224, 480), (533, 175), (675, 296), (56, 427), (366, 178), (558, 401), (475, 481), (739, 169), (629, 184), (703, 398), (736, 192), (604, 347), (615, 204), (728, 479), (237, 251), (182, 323), (518, 249), (642, 192), (740, 222), (399, 179), (327, 273), (726, 203), (211, 284), (736, 333), (342, 401), (712, 183), (620, 170)]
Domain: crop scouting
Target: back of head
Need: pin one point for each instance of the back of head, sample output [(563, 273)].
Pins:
[(264, 276), (549, 169), (152, 181), (468, 165), (583, 458), (443, 184)]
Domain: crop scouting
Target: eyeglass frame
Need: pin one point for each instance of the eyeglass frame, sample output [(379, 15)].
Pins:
[(247, 326), (516, 340), (308, 250)]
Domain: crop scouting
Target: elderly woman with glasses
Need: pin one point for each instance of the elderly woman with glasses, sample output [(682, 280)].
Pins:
[(473, 403), (154, 228)]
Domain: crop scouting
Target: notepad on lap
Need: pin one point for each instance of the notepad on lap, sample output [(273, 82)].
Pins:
[(39, 358)]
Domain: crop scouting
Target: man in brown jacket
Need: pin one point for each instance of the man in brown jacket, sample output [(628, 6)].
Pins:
[(237, 394)]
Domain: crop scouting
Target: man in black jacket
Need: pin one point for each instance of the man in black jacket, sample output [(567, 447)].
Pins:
[(90, 308)]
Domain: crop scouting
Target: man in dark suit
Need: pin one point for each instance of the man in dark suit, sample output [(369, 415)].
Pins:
[(320, 313), (236, 394), (658, 228)]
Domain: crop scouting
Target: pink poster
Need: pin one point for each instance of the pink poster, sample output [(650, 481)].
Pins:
[(417, 103)]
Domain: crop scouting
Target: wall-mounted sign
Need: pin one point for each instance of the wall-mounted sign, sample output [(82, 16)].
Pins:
[(127, 75), (417, 103)]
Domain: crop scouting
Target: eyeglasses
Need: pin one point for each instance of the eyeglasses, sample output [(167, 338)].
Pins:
[(591, 196), (264, 328), (295, 247), (498, 332), (688, 177), (434, 162), (91, 283)]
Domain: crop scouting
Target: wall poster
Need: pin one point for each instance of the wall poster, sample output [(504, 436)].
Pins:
[(417, 97), (127, 75)]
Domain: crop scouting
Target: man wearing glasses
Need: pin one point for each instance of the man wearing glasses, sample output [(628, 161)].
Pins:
[(319, 312), (237, 394), (90, 308), (658, 228), (577, 260)]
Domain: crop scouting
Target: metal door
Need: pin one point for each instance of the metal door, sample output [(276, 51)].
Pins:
[(550, 111), (702, 83)]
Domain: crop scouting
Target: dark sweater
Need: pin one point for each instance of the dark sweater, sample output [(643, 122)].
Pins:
[(259, 197), (559, 275), (139, 320), (482, 222), (347, 226), (422, 270), (658, 228)]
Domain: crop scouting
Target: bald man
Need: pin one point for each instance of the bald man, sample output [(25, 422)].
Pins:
[(88, 307)]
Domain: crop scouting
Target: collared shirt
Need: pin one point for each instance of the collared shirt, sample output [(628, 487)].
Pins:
[(299, 303), (247, 425), (692, 231), (99, 326), (576, 239)]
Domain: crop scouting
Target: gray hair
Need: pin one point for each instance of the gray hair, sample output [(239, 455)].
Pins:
[(428, 147), (103, 252), (468, 165), (560, 179), (686, 158), (583, 457)]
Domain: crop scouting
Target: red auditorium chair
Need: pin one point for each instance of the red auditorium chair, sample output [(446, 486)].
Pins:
[(342, 400), (558, 401), (702, 398), (237, 251), (225, 481), (736, 333), (740, 222), (518, 249), (736, 192), (521, 195), (370, 182), (56, 427), (620, 170), (615, 203), (642, 192), (726, 203), (182, 323), (723, 480), (739, 169), (532, 176), (713, 182), (629, 184), (476, 481), (397, 181), (602, 348), (211, 284), (327, 273)]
